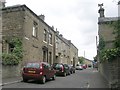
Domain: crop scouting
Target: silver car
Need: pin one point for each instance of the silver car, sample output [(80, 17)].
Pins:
[(79, 67)]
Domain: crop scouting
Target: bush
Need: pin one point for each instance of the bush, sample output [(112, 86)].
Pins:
[(9, 59), (14, 57), (110, 54)]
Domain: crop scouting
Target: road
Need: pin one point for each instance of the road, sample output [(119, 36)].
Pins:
[(88, 78)]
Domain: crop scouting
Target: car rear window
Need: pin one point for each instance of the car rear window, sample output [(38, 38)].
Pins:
[(58, 65), (33, 65)]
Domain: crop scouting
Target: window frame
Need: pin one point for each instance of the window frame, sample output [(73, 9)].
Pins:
[(50, 38), (35, 29), (45, 35)]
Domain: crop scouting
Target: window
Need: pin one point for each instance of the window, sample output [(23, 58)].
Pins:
[(45, 35), (10, 47), (50, 38), (33, 65), (57, 42), (50, 58), (58, 65), (44, 56), (35, 28)]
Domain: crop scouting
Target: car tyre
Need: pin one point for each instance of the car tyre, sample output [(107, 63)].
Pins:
[(65, 74), (54, 77), (43, 80), (25, 80), (69, 73)]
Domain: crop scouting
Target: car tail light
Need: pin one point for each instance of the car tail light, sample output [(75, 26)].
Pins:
[(62, 69), (41, 68), (41, 73)]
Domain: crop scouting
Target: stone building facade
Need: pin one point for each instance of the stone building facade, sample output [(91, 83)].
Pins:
[(73, 54), (39, 40), (88, 62), (37, 37), (66, 51), (62, 49)]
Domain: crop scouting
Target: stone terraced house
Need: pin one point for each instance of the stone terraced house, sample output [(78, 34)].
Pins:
[(39, 40)]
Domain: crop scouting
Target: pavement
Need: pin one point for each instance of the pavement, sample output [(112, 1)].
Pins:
[(11, 80)]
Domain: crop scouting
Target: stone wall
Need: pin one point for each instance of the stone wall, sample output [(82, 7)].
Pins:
[(111, 71), (11, 71)]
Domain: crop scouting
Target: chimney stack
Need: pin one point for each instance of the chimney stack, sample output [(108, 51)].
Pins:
[(57, 32), (42, 17), (52, 27), (2, 3), (101, 10), (61, 35)]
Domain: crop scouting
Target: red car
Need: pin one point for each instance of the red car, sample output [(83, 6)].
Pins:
[(40, 71), (84, 66)]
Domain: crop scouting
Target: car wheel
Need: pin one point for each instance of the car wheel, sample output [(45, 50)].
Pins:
[(65, 74), (25, 80), (69, 73), (43, 80), (54, 77)]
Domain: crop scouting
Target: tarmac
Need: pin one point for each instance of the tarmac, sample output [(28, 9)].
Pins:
[(18, 79), (10, 80)]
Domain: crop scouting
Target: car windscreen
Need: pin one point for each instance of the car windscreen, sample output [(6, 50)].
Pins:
[(33, 65)]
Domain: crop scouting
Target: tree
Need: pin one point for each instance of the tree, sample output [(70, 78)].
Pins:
[(95, 58), (81, 60)]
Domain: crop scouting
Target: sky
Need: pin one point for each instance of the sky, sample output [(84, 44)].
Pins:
[(76, 20)]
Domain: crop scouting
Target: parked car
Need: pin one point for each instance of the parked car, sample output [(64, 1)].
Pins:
[(84, 66), (40, 71), (79, 67), (61, 69), (89, 65), (72, 69)]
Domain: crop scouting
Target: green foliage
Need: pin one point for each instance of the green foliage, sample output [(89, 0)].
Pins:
[(81, 60), (14, 57), (117, 32), (9, 59), (101, 43), (95, 58), (111, 54)]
